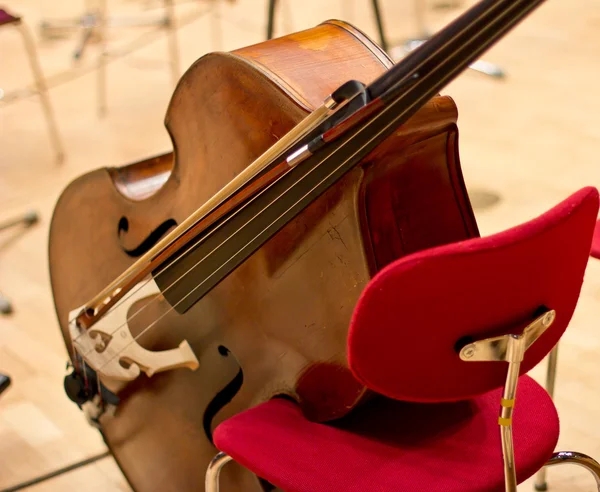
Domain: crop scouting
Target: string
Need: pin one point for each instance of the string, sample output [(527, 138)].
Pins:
[(287, 150), (365, 127)]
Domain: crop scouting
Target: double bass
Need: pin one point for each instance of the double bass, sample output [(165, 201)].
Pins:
[(193, 285)]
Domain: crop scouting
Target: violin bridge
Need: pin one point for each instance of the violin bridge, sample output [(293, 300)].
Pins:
[(110, 349)]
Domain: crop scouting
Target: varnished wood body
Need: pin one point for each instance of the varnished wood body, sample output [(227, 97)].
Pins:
[(280, 319)]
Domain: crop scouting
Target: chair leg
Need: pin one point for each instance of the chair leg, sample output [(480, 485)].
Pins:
[(5, 305), (270, 18), (565, 457), (217, 26), (379, 20), (42, 90), (211, 483), (172, 40), (26, 220), (541, 482), (101, 86)]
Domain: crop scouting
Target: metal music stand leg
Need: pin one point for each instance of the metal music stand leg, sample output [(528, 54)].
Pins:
[(376, 11), (270, 18), (101, 85), (172, 40), (25, 220), (485, 67), (382, 38), (41, 89)]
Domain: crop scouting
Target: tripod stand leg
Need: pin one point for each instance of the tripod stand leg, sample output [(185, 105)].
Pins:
[(42, 90), (5, 305), (377, 13), (271, 19), (172, 40), (26, 220), (101, 86)]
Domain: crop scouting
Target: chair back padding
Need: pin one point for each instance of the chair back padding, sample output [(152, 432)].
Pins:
[(415, 314), (595, 251)]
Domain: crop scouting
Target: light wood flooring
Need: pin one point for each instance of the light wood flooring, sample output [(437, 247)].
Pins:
[(531, 140)]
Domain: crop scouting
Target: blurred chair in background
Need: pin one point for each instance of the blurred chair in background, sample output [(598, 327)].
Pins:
[(93, 25), (26, 220), (8, 19), (4, 382)]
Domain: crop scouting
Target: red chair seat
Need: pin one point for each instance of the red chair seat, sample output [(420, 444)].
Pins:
[(6, 18), (389, 445)]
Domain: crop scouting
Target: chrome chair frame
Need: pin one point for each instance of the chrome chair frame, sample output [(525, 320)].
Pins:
[(40, 86), (506, 348), (96, 22), (541, 483)]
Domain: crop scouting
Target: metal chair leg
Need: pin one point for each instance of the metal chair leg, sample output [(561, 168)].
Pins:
[(42, 89), (376, 11), (270, 18), (101, 82), (572, 457), (541, 483), (211, 483), (5, 305), (26, 220), (216, 26), (379, 20)]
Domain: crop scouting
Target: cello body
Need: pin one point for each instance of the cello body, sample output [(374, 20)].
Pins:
[(277, 325)]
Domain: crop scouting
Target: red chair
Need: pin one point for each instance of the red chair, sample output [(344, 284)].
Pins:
[(595, 252), (445, 337)]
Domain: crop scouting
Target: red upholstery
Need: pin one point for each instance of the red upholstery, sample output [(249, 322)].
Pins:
[(415, 312), (6, 18), (387, 446), (596, 242)]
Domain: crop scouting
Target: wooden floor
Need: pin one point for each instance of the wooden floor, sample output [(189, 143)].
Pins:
[(529, 140)]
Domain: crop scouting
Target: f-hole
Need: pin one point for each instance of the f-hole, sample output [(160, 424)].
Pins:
[(223, 397), (149, 241)]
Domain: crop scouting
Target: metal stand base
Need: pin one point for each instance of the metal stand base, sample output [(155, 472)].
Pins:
[(485, 67), (398, 52), (26, 220)]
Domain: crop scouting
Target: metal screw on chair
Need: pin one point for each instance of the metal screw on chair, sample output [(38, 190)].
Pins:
[(468, 352), (548, 319)]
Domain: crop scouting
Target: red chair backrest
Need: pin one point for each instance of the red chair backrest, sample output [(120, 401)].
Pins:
[(416, 313)]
